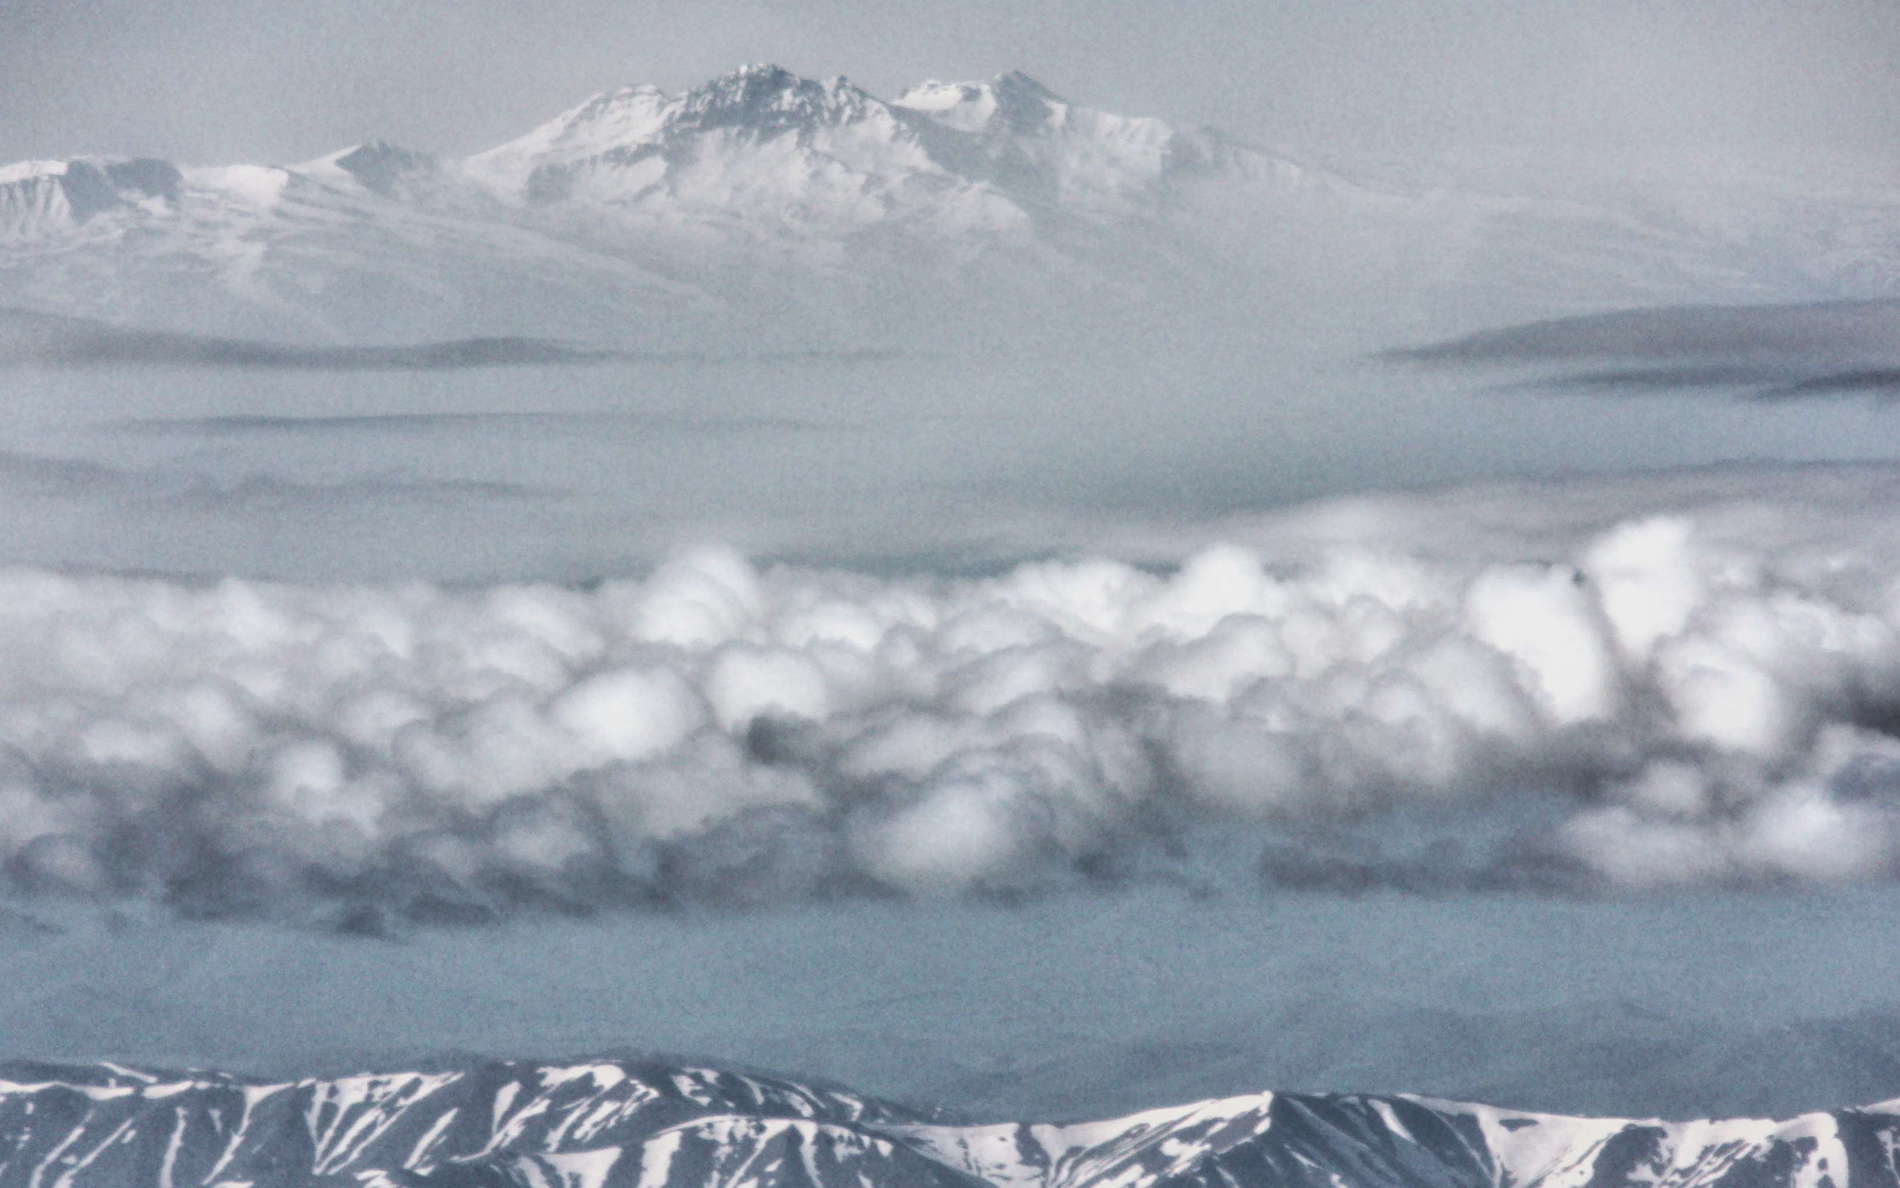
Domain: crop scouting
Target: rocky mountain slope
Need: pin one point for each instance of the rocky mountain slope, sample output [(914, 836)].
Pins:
[(609, 1123)]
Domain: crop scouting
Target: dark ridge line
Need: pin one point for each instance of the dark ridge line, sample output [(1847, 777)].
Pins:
[(1669, 331), (58, 341)]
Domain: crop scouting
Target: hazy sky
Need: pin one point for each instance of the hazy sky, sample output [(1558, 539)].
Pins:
[(1662, 80)]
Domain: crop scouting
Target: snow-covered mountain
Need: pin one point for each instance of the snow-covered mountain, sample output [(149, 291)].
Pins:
[(617, 1123), (766, 203), (765, 143), (756, 191)]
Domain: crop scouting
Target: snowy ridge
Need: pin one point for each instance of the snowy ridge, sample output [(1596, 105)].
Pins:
[(762, 198), (39, 198), (634, 207), (379, 167), (753, 155), (1030, 136), (604, 1124)]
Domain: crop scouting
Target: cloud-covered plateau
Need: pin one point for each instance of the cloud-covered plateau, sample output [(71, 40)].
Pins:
[(1629, 684)]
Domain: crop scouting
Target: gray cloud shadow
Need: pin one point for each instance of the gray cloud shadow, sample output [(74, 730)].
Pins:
[(241, 425), (1765, 353), (1814, 331), (1881, 382), (42, 476), (30, 338)]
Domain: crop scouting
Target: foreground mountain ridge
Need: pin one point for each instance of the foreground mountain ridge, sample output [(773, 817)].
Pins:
[(602, 1124), (763, 201)]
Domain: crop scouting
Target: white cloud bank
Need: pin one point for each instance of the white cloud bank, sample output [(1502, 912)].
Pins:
[(1696, 676)]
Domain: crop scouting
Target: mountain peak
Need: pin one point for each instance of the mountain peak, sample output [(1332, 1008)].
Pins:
[(380, 166), (769, 97), (763, 73), (1017, 83), (641, 140), (1009, 102)]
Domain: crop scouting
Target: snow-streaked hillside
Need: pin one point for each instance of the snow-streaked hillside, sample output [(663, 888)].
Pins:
[(611, 1123), (763, 203)]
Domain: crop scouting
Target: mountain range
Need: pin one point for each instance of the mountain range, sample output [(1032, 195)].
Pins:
[(609, 1124), (762, 204)]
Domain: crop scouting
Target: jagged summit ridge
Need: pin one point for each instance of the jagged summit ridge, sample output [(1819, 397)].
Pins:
[(621, 1124), (757, 128), (765, 121), (767, 96)]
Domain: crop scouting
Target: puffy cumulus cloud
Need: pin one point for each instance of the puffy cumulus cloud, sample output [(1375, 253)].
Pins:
[(1660, 686)]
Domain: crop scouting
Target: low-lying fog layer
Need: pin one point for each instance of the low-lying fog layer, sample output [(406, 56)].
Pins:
[(1599, 685), (1055, 776), (919, 461)]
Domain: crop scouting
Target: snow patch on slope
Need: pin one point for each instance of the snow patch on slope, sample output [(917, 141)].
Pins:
[(656, 1126)]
